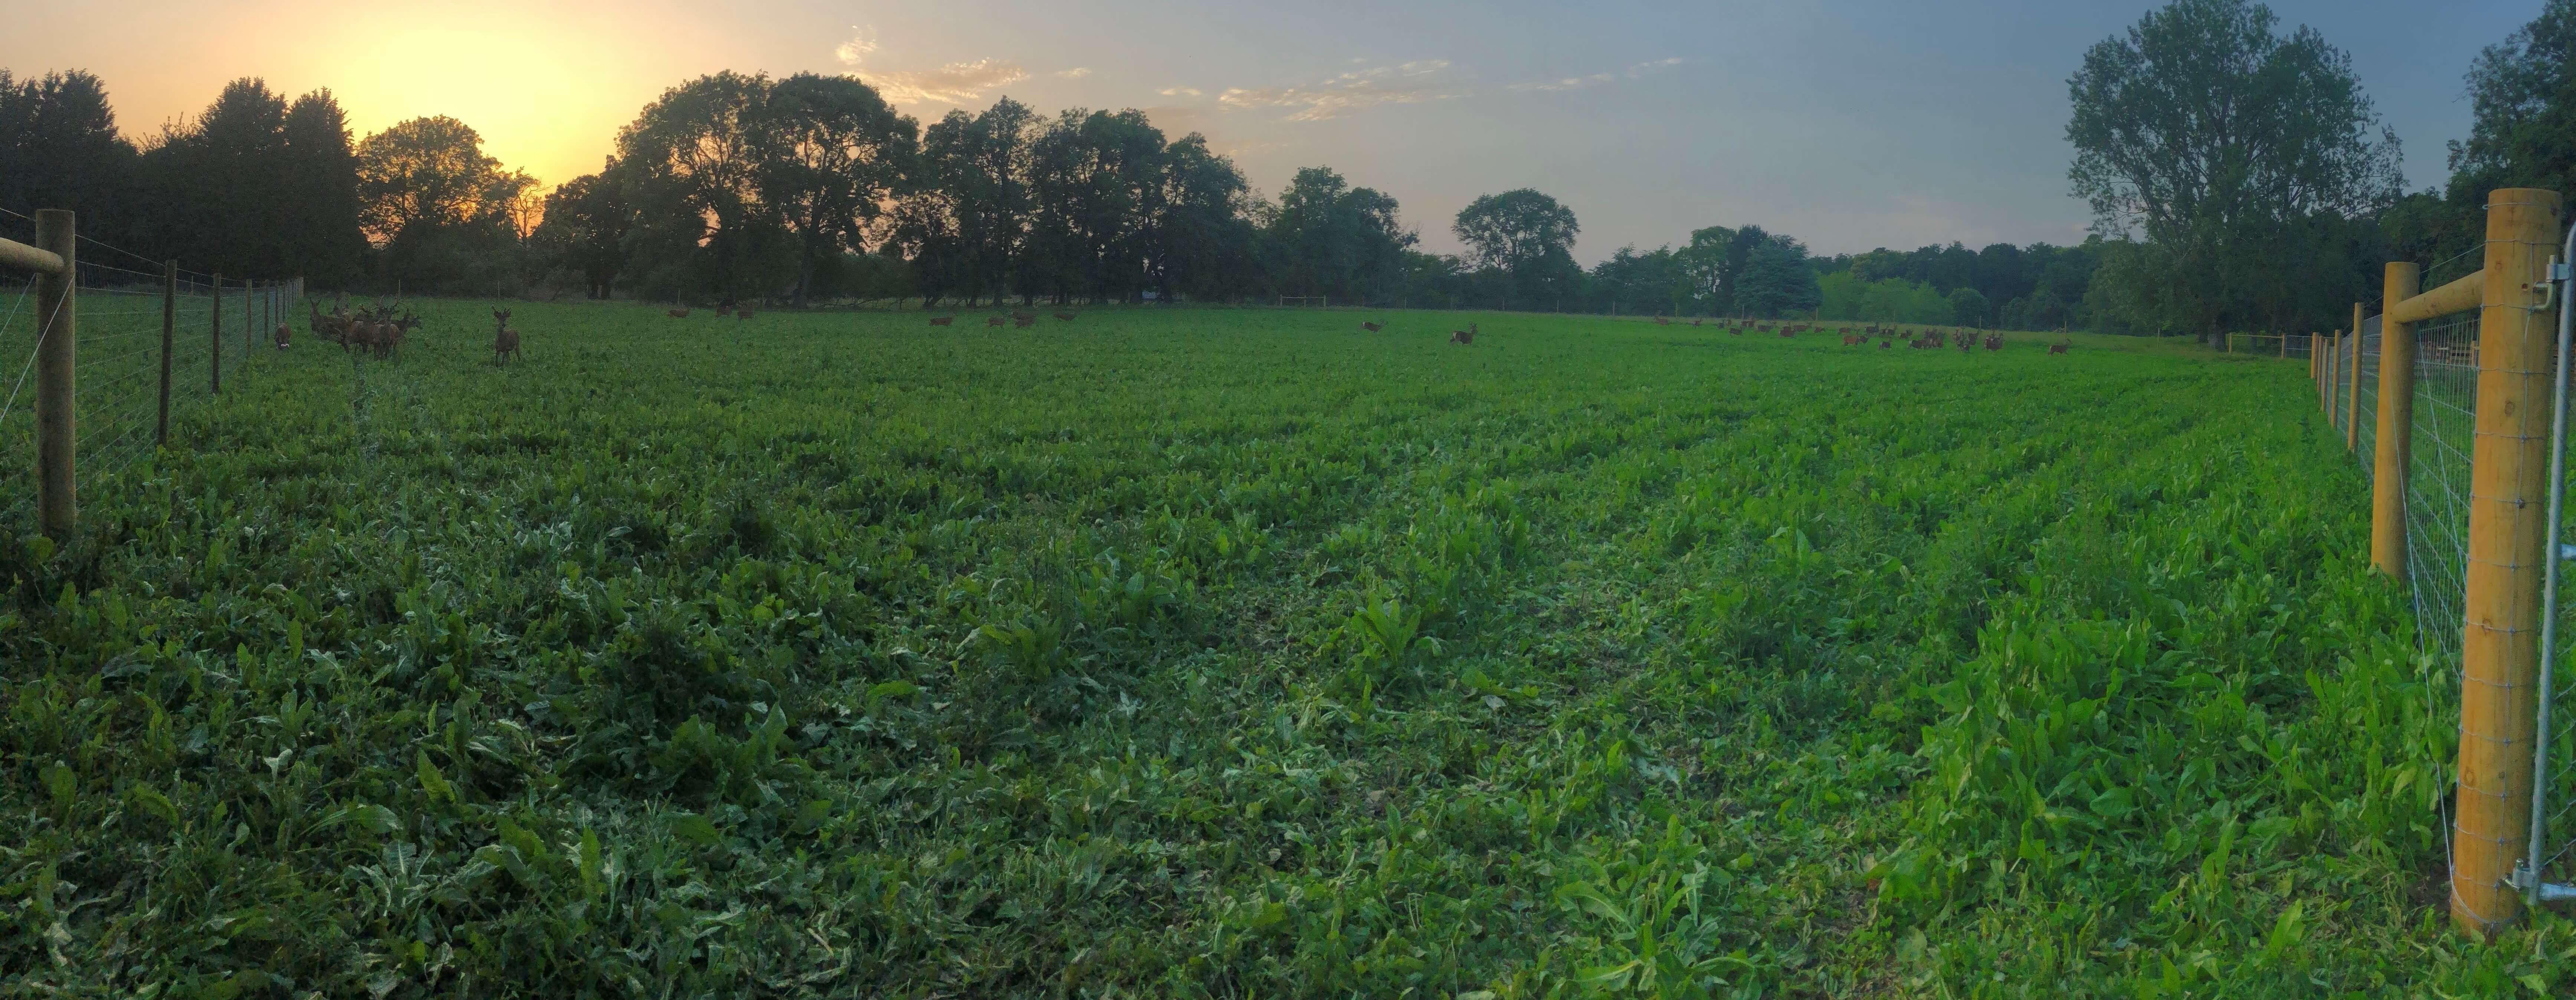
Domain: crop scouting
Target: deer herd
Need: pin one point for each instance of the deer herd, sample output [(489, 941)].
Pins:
[(380, 330)]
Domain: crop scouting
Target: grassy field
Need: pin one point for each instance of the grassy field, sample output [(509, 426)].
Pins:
[(1226, 653)]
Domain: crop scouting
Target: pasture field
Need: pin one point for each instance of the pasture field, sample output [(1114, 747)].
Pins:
[(1226, 653)]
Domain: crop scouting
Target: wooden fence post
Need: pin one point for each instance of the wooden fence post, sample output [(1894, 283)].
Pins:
[(250, 323), (2394, 460), (215, 357), (57, 333), (2508, 504), (169, 326), (2352, 401)]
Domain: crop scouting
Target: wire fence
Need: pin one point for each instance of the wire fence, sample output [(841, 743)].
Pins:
[(118, 310), (2440, 483)]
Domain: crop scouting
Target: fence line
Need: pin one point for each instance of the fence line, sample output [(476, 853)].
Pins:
[(111, 352), (2444, 391)]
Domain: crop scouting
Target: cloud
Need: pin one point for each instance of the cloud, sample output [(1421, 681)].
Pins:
[(1635, 72), (955, 83), (1181, 92), (1347, 92), (858, 48), (1075, 73)]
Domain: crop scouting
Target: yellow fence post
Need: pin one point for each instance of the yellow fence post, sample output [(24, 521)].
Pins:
[(57, 325), (2395, 452), (2352, 398), (2508, 501)]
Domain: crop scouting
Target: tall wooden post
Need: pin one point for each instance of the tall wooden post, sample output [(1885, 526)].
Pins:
[(57, 332), (169, 327), (2352, 399), (215, 357), (250, 321), (2395, 449), (2508, 501), (2285, 347)]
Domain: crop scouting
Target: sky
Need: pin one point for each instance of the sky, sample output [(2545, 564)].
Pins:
[(1850, 125)]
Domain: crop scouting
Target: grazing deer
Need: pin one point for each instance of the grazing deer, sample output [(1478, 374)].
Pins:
[(1021, 321), (1466, 337), (1694, 321), (942, 320), (1967, 344), (742, 314), (676, 313), (284, 331), (1661, 321), (2061, 348), (1994, 342), (1372, 327), (995, 320), (1885, 344), (1850, 340), (505, 341), (1786, 333), (1735, 330), (1067, 317)]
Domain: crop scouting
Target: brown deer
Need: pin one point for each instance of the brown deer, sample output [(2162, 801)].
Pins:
[(1786, 333), (284, 332), (942, 320), (1967, 344), (1466, 337), (2061, 348), (505, 341), (1066, 317), (1994, 342), (1694, 321), (1021, 321), (995, 320), (742, 314), (1850, 340), (676, 313), (1661, 321), (1372, 327), (1885, 344)]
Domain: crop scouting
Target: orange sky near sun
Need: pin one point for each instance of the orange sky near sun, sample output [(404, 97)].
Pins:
[(547, 84)]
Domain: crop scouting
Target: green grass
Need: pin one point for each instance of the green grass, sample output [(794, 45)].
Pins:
[(1226, 653)]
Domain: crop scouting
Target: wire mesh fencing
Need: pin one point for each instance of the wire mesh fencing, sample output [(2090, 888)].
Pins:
[(118, 311)]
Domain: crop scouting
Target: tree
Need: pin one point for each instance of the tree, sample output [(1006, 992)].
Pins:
[(59, 148), (833, 154), (1328, 238), (695, 157), (2213, 137), (325, 239), (587, 220), (443, 212), (1201, 242), (1969, 307), (1775, 279), (1525, 235), (2524, 95)]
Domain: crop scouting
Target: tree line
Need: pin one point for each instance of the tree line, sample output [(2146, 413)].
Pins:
[(2238, 176)]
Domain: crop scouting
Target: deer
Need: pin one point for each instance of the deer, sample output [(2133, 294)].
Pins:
[(505, 341), (995, 320), (1065, 317), (1372, 327), (284, 331), (1694, 321), (1851, 340), (1021, 321), (742, 314), (1786, 333), (942, 320), (1994, 342), (676, 313), (1464, 338), (1661, 321), (2062, 347), (1967, 344)]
